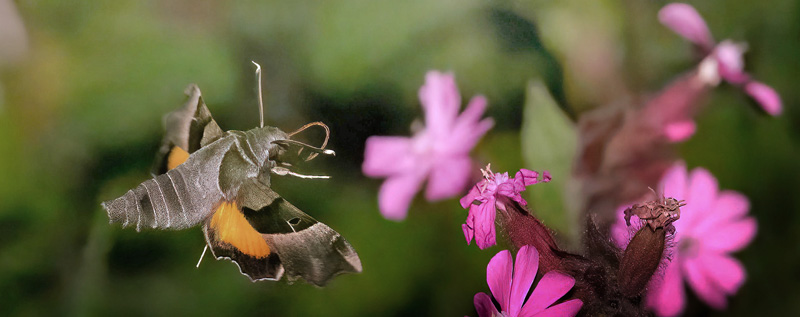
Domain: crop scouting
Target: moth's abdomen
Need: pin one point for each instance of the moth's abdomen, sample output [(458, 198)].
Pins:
[(162, 202)]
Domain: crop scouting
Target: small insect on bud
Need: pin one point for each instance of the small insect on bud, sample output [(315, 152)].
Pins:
[(658, 213)]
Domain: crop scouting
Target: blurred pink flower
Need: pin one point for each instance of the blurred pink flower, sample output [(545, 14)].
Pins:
[(510, 288), (723, 60), (489, 194), (439, 152), (713, 224)]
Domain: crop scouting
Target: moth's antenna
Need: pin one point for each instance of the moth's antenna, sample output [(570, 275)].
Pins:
[(201, 256), (260, 100)]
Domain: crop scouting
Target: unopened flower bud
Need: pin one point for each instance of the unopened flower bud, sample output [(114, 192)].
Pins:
[(640, 260)]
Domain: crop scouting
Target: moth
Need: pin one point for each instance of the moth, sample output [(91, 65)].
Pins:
[(221, 180)]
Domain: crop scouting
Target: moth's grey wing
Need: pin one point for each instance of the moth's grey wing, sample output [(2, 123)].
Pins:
[(180, 198), (306, 248), (190, 128)]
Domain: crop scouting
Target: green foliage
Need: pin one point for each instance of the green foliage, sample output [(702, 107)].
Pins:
[(549, 142)]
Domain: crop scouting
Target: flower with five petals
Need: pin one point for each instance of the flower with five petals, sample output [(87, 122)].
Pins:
[(438, 153)]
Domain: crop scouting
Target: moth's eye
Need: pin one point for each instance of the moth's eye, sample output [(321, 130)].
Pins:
[(276, 151)]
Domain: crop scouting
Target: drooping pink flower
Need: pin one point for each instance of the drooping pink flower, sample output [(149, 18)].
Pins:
[(713, 224), (438, 153), (510, 283), (489, 194), (723, 60)]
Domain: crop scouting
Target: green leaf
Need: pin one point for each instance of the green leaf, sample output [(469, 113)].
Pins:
[(549, 142)]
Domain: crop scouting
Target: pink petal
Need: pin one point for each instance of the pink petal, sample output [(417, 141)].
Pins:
[(484, 224), (461, 141), (680, 131), (730, 62), (501, 177), (469, 128), (730, 237), (679, 101), (448, 178), (730, 206), (684, 20), (667, 298), (472, 114), (468, 232), (673, 183), (473, 194), (527, 177), (508, 189), (621, 234), (525, 268), (498, 276), (484, 305), (568, 308), (701, 195), (440, 100), (551, 287), (396, 194), (703, 287), (769, 100), (546, 177), (387, 155), (724, 271)]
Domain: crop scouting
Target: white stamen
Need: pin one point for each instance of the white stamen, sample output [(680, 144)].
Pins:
[(708, 71)]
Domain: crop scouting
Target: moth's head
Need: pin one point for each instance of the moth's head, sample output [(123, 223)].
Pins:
[(275, 148), (261, 142)]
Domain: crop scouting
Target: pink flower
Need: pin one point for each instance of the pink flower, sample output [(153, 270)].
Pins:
[(510, 288), (723, 60), (489, 194), (713, 224), (438, 153)]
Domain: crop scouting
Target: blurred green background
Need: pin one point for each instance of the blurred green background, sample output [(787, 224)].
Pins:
[(80, 121)]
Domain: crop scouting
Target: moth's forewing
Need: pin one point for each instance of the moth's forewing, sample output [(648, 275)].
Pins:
[(188, 128), (180, 198)]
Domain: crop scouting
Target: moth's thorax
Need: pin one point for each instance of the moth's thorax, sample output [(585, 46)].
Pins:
[(259, 142)]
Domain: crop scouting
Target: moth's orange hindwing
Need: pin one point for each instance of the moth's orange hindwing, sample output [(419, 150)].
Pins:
[(233, 228), (176, 157)]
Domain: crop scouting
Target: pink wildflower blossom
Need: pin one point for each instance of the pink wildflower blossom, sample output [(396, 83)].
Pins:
[(723, 60), (489, 194), (713, 224), (438, 153), (510, 283)]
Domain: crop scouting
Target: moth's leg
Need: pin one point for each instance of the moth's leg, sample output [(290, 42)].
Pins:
[(282, 171)]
